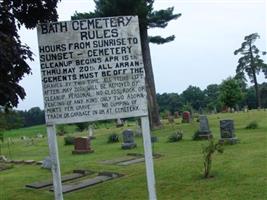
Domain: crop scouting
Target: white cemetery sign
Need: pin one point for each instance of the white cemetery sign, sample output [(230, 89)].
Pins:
[(92, 69)]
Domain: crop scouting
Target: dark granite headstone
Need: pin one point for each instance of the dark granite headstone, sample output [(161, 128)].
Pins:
[(128, 139), (186, 117), (82, 145), (204, 130), (154, 138), (227, 132)]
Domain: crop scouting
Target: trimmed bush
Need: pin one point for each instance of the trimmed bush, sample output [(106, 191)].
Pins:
[(252, 125), (69, 140), (113, 138), (175, 137)]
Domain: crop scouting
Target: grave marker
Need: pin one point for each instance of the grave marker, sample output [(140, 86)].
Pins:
[(227, 132), (186, 117), (128, 139), (204, 130), (82, 145)]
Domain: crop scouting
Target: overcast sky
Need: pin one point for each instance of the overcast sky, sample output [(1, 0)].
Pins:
[(207, 34)]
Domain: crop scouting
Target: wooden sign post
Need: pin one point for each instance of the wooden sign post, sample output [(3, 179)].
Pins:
[(53, 150), (92, 69), (148, 158)]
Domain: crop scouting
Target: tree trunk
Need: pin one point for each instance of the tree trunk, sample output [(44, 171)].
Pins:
[(256, 86), (255, 79), (150, 84)]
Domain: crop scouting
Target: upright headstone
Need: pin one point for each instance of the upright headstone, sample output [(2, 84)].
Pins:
[(176, 115), (171, 119), (227, 132), (154, 138), (138, 132), (119, 123), (204, 130), (186, 117), (128, 139), (90, 132), (82, 145)]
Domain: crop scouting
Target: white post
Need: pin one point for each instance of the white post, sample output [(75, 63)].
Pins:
[(53, 149), (148, 158)]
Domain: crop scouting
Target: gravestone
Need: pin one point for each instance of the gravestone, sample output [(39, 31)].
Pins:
[(204, 130), (82, 145), (186, 117), (39, 135), (154, 138), (176, 115), (119, 123), (3, 158), (138, 132), (47, 163), (128, 139), (171, 119), (227, 132), (90, 132)]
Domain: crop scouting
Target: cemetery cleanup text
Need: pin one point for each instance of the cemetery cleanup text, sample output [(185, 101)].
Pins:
[(92, 69)]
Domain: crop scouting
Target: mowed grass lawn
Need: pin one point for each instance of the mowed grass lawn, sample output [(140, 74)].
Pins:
[(240, 173)]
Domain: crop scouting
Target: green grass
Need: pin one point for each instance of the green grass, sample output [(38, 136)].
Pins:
[(239, 173)]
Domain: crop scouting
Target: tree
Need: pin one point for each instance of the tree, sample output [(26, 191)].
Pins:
[(263, 89), (211, 97), (207, 152), (194, 96), (251, 98), (250, 62), (34, 116), (230, 92), (13, 54), (148, 18), (169, 102)]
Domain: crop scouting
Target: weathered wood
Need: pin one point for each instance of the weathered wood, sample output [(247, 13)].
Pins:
[(151, 183), (53, 150)]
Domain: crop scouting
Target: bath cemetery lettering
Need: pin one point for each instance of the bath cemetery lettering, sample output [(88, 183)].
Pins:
[(92, 69)]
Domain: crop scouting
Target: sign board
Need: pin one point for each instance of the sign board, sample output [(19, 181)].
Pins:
[(92, 69)]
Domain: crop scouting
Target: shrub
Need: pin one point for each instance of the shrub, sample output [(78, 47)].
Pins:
[(61, 130), (81, 126), (113, 138), (252, 125), (175, 137), (207, 152), (69, 140)]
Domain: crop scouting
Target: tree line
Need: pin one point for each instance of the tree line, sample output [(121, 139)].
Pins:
[(13, 119), (230, 94)]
